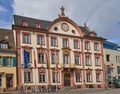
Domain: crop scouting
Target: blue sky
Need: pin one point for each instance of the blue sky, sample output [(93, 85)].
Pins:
[(103, 16), (6, 12)]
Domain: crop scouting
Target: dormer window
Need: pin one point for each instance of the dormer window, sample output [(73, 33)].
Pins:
[(25, 23), (37, 24), (3, 46)]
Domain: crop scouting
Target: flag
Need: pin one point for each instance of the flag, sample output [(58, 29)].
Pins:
[(26, 58), (47, 63), (34, 60), (56, 67), (111, 67)]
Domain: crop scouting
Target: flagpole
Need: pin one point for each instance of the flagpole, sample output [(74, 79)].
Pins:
[(56, 71), (47, 80), (35, 78), (35, 69)]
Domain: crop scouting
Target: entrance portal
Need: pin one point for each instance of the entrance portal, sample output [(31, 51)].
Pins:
[(66, 79), (9, 80)]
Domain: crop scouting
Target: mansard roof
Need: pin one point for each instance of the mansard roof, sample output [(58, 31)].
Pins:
[(7, 36), (43, 23), (31, 21)]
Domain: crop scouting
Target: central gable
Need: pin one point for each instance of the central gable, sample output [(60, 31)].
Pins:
[(65, 26)]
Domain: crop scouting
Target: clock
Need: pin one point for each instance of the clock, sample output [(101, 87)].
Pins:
[(64, 27)]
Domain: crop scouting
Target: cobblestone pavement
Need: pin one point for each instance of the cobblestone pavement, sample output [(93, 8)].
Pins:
[(74, 91)]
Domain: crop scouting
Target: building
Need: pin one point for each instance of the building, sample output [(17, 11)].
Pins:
[(112, 60), (7, 60), (66, 54)]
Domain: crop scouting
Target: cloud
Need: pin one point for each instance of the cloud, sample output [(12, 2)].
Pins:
[(102, 16), (2, 9)]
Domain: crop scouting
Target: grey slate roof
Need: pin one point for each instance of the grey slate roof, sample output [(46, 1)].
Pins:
[(43, 23), (31, 21), (7, 36)]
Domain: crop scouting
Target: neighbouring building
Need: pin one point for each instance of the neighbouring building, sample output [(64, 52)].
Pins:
[(59, 52), (112, 60), (7, 60)]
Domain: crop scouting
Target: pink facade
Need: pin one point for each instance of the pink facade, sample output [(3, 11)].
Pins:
[(77, 51)]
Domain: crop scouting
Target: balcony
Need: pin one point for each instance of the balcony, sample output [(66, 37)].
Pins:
[(62, 65)]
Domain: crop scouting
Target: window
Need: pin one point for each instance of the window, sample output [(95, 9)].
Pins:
[(87, 45), (40, 40), (88, 77), (87, 60), (41, 58), (96, 46), (53, 59), (118, 69), (118, 59), (97, 61), (25, 23), (65, 59), (107, 57), (1, 61), (76, 44), (65, 43), (26, 38), (77, 60), (53, 41), (27, 77), (0, 80), (42, 78), (77, 77), (3, 46), (9, 61), (98, 77), (37, 25), (55, 77)]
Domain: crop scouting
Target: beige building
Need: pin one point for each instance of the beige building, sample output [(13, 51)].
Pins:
[(73, 53), (112, 60), (7, 60)]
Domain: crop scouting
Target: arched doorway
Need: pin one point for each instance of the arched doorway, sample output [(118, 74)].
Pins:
[(66, 79)]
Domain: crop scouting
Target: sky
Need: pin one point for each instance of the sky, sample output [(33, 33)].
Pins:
[(103, 16)]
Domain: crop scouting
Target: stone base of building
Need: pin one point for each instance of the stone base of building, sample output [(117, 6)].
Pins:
[(2, 89)]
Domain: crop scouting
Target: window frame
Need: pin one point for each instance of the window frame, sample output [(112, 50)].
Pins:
[(78, 74), (108, 57), (3, 45), (43, 75), (65, 42), (87, 45), (54, 41), (88, 77), (97, 61), (66, 57), (87, 60), (98, 77), (96, 46), (79, 60), (40, 40), (9, 61), (53, 58), (78, 45), (54, 75), (27, 75), (25, 23), (26, 38), (41, 57)]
